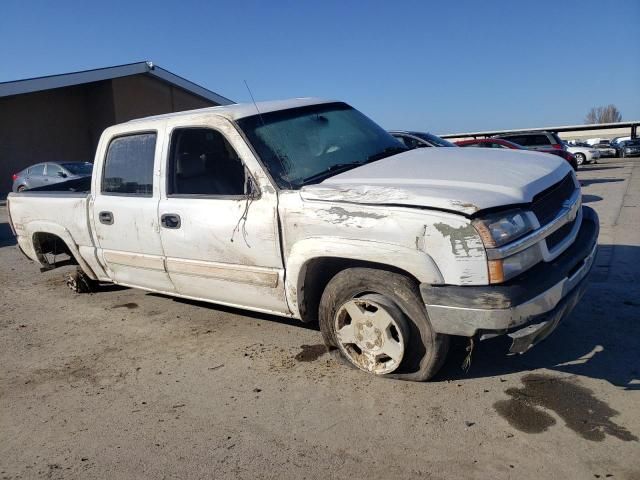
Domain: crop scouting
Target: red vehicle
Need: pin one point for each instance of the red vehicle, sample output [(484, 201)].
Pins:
[(500, 143)]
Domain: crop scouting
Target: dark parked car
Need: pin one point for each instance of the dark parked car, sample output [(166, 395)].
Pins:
[(489, 143), (49, 173), (547, 142), (501, 143), (629, 148), (535, 140), (420, 139)]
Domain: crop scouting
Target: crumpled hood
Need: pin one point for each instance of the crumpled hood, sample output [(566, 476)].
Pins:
[(464, 180)]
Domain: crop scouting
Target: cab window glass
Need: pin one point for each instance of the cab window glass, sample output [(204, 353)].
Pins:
[(202, 162), (128, 167)]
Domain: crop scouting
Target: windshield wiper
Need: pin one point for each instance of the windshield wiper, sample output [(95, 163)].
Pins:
[(387, 152), (332, 170)]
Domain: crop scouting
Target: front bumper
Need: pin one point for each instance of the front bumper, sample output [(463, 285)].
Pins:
[(528, 307)]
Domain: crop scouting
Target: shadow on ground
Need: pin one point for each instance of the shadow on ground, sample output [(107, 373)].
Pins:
[(587, 182), (590, 198), (589, 168), (6, 235)]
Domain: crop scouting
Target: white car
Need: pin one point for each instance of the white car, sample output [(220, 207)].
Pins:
[(584, 154)]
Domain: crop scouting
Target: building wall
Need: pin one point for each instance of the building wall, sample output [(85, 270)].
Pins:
[(65, 124), (140, 96), (35, 127)]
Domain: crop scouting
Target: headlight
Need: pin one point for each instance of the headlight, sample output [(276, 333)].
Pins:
[(496, 230), (502, 228)]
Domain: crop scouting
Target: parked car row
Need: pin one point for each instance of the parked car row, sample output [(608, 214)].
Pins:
[(545, 142), (616, 147)]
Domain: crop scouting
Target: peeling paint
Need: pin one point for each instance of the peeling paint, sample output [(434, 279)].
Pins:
[(351, 214), (463, 239)]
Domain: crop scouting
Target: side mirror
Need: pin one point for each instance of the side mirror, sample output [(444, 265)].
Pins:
[(62, 174)]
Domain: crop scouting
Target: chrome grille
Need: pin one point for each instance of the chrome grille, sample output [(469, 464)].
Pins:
[(548, 203), (556, 237)]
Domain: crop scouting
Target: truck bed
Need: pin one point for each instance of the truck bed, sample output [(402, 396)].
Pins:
[(60, 213)]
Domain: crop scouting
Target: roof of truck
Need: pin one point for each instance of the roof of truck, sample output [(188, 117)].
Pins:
[(241, 110)]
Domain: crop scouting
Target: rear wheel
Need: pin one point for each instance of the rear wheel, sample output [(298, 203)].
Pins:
[(580, 158), (380, 325), (21, 188)]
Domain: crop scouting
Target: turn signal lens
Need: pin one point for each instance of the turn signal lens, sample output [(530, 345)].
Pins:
[(496, 272), (507, 268)]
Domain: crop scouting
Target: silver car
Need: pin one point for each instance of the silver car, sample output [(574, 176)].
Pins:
[(49, 173)]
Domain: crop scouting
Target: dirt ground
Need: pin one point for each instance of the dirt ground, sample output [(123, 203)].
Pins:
[(128, 384)]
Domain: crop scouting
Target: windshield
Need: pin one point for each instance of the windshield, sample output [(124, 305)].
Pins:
[(434, 139), (79, 168), (305, 145)]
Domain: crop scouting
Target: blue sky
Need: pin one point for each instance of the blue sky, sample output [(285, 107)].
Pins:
[(438, 66)]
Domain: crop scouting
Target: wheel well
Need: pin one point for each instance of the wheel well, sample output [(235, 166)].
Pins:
[(318, 272), (45, 243)]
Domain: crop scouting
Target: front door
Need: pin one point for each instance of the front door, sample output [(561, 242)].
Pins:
[(218, 227), (125, 213)]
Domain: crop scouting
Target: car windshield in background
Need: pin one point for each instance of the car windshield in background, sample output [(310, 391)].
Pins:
[(305, 145), (78, 168), (433, 139)]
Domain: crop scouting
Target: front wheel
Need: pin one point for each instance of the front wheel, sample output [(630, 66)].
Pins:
[(580, 158), (380, 325)]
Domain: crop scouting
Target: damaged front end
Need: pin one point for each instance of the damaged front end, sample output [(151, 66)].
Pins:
[(528, 307)]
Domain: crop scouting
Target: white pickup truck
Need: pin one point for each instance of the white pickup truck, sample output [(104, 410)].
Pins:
[(308, 209)]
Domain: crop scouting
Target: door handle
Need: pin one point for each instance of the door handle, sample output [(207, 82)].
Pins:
[(170, 220), (106, 218)]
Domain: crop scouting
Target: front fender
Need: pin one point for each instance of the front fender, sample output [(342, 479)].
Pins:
[(413, 261)]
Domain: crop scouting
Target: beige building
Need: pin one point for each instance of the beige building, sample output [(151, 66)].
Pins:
[(61, 117)]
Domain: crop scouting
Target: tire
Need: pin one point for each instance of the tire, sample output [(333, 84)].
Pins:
[(580, 158), (21, 188), (424, 350)]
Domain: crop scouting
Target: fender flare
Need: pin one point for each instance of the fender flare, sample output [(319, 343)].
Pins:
[(414, 261)]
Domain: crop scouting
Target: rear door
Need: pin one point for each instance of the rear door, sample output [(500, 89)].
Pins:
[(125, 210), (218, 218)]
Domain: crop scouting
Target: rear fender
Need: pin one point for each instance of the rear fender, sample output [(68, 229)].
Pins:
[(26, 239)]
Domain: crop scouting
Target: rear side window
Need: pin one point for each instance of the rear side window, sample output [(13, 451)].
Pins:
[(128, 166), (37, 169), (556, 138)]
